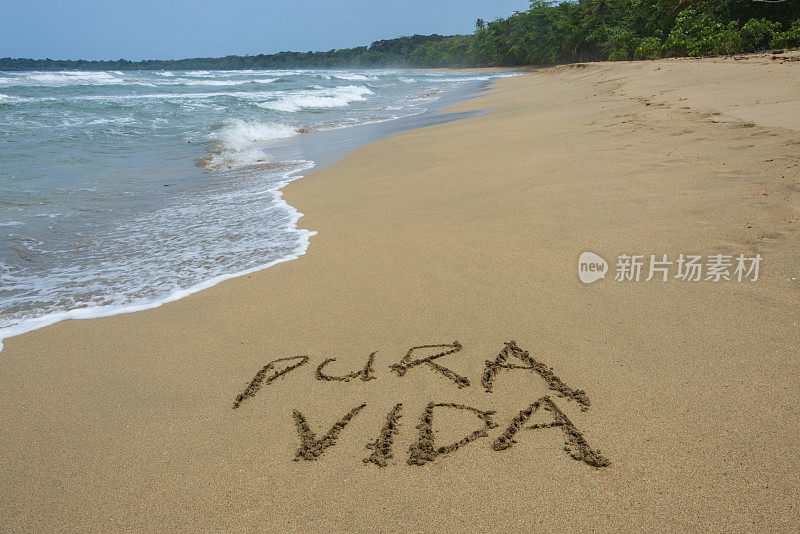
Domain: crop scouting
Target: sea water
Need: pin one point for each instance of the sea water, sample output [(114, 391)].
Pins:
[(120, 191)]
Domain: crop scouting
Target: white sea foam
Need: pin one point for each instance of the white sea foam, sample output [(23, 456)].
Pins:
[(209, 226), (300, 239), (279, 100), (94, 312), (115, 120), (190, 82), (473, 78), (237, 134), (245, 95), (237, 143), (354, 77), (65, 78), (318, 98)]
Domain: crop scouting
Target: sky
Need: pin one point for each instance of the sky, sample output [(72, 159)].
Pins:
[(173, 29)]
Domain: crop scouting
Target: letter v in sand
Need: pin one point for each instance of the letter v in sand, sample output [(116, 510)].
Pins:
[(310, 446)]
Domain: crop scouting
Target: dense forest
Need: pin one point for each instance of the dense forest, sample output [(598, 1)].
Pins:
[(547, 33)]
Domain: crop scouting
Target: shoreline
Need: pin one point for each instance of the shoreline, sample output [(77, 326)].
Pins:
[(465, 232), (435, 113)]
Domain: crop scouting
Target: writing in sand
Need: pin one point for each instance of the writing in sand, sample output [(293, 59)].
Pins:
[(424, 448)]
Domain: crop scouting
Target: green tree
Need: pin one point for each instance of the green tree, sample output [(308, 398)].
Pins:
[(602, 7)]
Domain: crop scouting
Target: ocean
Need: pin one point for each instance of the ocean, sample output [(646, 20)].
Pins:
[(120, 191)]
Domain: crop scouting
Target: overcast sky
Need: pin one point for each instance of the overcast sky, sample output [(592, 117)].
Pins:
[(171, 29)]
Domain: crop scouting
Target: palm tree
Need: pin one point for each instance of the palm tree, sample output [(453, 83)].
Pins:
[(602, 7)]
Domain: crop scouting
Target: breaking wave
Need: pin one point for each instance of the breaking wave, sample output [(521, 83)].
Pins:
[(236, 143), (318, 98)]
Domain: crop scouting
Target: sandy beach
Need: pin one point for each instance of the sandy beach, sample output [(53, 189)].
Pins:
[(676, 402)]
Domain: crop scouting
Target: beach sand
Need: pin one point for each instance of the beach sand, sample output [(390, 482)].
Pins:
[(468, 232)]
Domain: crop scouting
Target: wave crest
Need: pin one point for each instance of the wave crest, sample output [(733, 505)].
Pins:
[(318, 98), (235, 144)]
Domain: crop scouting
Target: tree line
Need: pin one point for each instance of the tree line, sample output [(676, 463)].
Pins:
[(548, 32), (597, 30)]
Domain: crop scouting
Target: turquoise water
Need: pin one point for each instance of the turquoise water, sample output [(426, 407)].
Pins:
[(123, 190)]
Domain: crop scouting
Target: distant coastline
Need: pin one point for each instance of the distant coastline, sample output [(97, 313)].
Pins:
[(387, 53)]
